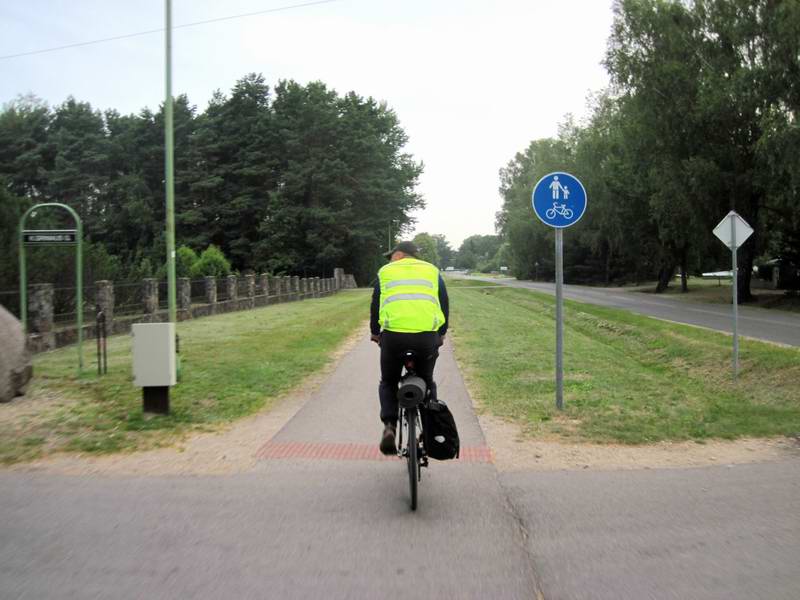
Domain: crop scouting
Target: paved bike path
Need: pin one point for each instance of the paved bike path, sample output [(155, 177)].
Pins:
[(326, 524)]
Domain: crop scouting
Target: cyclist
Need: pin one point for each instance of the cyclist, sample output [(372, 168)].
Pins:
[(409, 311)]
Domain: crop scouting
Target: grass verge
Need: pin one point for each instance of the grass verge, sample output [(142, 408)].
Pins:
[(232, 365), (628, 378), (711, 291)]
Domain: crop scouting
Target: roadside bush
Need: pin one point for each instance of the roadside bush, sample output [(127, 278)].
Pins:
[(185, 259), (212, 262)]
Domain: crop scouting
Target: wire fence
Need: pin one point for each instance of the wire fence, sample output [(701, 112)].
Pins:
[(198, 291), (163, 295), (128, 299), (242, 287), (65, 305), (222, 290)]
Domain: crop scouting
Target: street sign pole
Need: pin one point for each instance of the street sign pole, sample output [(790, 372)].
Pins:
[(54, 237), (735, 286), (733, 231), (559, 201), (559, 319)]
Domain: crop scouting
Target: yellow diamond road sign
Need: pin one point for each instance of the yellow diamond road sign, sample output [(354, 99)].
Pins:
[(724, 231)]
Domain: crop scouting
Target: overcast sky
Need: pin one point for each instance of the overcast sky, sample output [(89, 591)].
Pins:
[(473, 81)]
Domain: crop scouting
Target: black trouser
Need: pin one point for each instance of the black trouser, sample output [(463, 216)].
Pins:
[(393, 344)]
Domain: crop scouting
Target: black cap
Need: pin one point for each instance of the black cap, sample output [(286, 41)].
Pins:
[(404, 247)]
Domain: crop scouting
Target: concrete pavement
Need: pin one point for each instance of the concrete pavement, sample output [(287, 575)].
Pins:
[(704, 533), (336, 526), (322, 516), (757, 323)]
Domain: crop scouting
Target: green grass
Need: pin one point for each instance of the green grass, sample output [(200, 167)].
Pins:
[(628, 378), (232, 366)]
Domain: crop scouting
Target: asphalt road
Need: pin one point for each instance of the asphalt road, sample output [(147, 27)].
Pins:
[(321, 516), (331, 525), (711, 533), (757, 323)]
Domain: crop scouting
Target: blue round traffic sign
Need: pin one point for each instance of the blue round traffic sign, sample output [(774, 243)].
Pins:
[(559, 199)]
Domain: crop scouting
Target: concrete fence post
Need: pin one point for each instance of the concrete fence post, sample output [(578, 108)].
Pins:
[(150, 297), (233, 287), (250, 284), (104, 299), (338, 276), (296, 288), (287, 288), (40, 314), (185, 297), (264, 284), (210, 284)]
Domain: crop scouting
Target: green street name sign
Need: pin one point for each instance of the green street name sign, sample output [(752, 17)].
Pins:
[(36, 237)]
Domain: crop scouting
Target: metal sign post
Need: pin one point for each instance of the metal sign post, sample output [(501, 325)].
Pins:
[(559, 319), (50, 237), (733, 231), (559, 200)]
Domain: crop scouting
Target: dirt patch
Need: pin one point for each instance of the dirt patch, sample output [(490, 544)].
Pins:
[(514, 451), (30, 406), (230, 450)]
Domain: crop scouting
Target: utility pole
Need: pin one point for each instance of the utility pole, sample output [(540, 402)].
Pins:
[(169, 142)]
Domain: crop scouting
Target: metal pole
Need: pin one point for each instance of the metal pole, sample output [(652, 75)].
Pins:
[(735, 298), (105, 344), (23, 275), (23, 280), (168, 167), (98, 336), (79, 277), (559, 320)]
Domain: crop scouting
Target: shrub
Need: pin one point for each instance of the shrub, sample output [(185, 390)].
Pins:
[(212, 262), (185, 259)]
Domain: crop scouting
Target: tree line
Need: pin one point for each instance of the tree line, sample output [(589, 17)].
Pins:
[(292, 180), (483, 253), (701, 117)]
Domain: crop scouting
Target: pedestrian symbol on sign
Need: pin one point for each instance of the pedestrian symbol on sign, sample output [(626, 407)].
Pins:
[(559, 199), (557, 187)]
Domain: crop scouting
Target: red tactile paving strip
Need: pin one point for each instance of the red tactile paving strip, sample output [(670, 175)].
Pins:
[(311, 451)]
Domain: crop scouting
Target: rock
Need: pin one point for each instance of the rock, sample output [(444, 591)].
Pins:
[(15, 363)]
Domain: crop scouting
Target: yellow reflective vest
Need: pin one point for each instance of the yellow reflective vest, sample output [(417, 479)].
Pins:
[(409, 300)]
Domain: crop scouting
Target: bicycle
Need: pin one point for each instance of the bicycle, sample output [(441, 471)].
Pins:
[(412, 394), (558, 209)]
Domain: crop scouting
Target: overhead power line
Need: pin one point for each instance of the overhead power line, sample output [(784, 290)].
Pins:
[(151, 31)]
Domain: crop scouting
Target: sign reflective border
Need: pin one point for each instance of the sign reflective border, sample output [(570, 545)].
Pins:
[(41, 237)]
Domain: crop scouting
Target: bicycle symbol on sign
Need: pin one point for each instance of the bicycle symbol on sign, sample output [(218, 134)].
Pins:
[(558, 209)]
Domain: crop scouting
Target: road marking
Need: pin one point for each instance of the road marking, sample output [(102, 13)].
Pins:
[(328, 451)]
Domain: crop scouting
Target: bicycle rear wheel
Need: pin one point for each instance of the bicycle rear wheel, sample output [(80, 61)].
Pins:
[(412, 456)]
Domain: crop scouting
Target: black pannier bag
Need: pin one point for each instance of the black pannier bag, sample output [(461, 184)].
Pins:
[(439, 431)]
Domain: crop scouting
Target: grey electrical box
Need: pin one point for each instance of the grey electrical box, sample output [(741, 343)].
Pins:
[(154, 360)]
